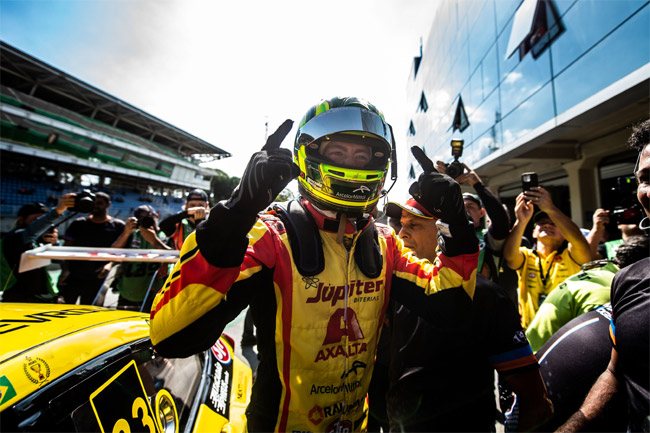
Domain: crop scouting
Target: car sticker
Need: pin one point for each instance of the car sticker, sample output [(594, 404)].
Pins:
[(7, 391), (221, 352), (36, 370), (221, 380), (121, 404)]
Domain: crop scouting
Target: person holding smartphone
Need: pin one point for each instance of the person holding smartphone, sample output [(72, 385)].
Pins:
[(559, 251)]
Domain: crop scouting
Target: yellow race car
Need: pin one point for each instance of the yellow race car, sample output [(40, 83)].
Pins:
[(79, 368)]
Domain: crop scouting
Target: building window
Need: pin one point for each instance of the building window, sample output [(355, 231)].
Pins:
[(461, 122), (411, 172), (411, 128), (536, 25), (423, 106), (417, 61)]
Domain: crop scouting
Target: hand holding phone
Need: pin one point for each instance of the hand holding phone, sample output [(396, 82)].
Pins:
[(528, 181)]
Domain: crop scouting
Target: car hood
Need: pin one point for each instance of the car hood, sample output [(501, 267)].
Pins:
[(41, 342)]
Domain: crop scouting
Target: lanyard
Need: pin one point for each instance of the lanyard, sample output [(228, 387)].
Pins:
[(541, 270)]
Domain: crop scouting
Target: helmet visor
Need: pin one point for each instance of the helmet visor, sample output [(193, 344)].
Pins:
[(344, 119)]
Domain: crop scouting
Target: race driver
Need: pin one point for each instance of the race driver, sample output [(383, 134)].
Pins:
[(317, 276)]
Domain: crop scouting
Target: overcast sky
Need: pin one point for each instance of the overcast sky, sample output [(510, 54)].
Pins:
[(220, 70)]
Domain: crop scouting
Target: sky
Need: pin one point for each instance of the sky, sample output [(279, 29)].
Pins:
[(221, 70)]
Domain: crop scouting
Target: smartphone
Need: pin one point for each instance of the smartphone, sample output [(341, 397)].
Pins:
[(528, 180)]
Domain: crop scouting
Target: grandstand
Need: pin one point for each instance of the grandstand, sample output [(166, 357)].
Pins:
[(60, 134)]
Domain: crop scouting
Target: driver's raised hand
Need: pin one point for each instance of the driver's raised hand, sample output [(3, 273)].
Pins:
[(268, 172), (437, 192)]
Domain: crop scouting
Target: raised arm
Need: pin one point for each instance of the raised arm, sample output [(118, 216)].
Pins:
[(523, 213), (600, 219), (578, 246)]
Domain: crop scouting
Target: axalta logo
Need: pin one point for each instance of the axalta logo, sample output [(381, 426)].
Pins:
[(362, 189), (334, 389), (342, 324), (333, 294)]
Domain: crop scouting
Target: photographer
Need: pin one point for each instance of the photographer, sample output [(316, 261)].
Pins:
[(179, 226), (81, 278), (141, 231), (559, 251), (492, 238), (627, 220), (34, 224)]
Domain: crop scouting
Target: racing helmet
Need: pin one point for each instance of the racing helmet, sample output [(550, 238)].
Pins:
[(337, 186)]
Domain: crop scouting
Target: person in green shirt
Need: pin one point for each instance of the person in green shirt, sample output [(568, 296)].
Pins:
[(141, 231), (582, 292)]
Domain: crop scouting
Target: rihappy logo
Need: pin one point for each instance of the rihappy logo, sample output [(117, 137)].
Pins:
[(336, 330), (221, 352)]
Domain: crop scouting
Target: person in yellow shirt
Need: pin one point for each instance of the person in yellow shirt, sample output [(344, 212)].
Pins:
[(560, 250)]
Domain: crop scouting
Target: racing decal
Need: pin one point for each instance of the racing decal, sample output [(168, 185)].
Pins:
[(221, 352), (10, 325), (353, 369), (121, 404), (335, 388), (339, 426), (36, 370), (221, 380), (316, 415), (310, 282), (333, 294), (336, 330), (341, 408), (7, 391)]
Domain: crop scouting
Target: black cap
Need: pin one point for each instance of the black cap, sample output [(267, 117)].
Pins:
[(145, 209), (540, 215), (472, 197), (32, 208), (197, 194)]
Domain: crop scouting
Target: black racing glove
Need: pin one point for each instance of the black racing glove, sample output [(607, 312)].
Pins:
[(437, 192), (268, 172), (222, 237), (440, 195)]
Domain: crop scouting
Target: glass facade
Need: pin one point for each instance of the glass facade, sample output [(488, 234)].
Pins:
[(600, 42)]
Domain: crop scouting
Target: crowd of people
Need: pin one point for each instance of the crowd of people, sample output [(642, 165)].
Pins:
[(403, 326), (93, 227)]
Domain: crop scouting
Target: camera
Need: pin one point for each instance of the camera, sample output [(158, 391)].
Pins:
[(144, 215), (627, 215), (455, 168), (146, 222), (84, 202)]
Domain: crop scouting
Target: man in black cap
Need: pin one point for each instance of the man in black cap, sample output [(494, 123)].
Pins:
[(83, 279), (32, 225), (179, 226), (560, 250), (141, 231), (491, 238), (440, 371)]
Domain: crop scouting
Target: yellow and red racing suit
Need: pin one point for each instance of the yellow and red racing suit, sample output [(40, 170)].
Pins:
[(317, 335)]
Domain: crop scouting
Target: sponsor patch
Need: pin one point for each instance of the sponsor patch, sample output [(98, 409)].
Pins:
[(334, 389), (316, 415), (221, 352)]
